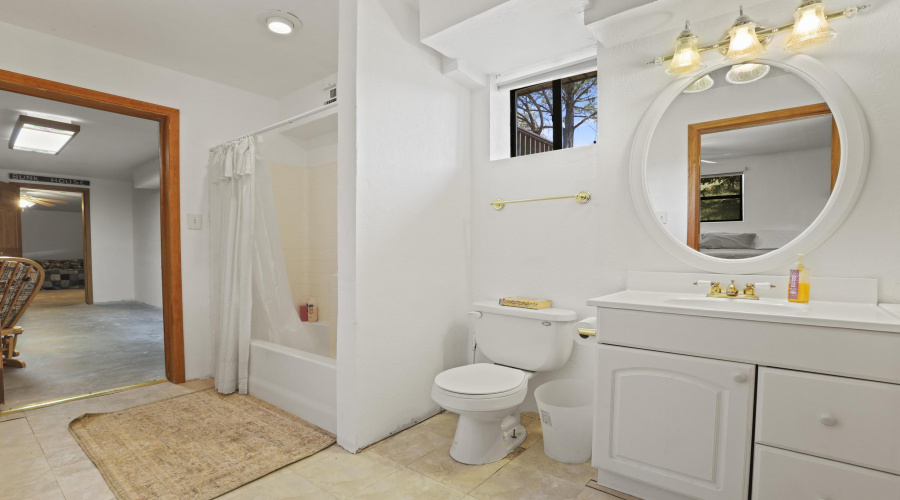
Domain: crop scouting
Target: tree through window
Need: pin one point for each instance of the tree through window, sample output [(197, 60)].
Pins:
[(553, 115)]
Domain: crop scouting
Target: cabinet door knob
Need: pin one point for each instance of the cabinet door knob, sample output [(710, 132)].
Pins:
[(827, 420), (740, 377)]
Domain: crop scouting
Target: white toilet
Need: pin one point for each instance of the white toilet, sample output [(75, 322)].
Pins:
[(487, 396)]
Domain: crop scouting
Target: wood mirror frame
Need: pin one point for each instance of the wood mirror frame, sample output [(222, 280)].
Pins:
[(697, 130)]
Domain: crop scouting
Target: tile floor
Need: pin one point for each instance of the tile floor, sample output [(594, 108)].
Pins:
[(40, 460)]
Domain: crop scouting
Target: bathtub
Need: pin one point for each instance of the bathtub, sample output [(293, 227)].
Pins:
[(299, 382)]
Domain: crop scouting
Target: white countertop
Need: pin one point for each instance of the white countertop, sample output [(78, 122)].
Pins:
[(862, 316)]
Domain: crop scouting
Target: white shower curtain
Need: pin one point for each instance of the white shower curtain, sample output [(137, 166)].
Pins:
[(250, 292)]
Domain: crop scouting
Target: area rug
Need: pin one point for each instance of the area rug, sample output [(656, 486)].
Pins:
[(194, 447)]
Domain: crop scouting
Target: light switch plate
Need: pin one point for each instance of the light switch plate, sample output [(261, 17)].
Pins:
[(195, 221), (663, 217)]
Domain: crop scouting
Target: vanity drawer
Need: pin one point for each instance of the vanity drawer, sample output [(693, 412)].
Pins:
[(785, 475), (843, 419)]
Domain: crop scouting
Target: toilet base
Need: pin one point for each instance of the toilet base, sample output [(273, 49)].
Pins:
[(485, 437)]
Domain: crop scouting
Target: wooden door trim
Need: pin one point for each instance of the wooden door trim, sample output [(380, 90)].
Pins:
[(696, 131), (170, 210), (85, 230)]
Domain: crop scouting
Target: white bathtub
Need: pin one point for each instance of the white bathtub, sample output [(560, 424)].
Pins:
[(296, 381)]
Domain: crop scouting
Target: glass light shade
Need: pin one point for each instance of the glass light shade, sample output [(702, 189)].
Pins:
[(744, 43), (279, 25), (810, 26), (39, 139), (686, 58), (25, 203), (746, 73), (699, 85)]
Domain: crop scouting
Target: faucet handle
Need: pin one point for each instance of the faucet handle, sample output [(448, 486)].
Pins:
[(731, 291), (750, 288)]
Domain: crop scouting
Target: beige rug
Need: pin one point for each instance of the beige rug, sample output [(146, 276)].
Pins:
[(197, 446)]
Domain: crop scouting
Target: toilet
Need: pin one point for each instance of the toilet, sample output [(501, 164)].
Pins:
[(519, 342)]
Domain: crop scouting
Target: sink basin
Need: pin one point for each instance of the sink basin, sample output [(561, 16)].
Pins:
[(764, 306)]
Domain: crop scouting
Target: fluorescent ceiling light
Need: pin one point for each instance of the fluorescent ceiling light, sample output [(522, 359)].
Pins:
[(707, 161), (279, 25), (40, 135)]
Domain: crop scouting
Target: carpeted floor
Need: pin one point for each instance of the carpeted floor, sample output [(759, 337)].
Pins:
[(194, 447), (71, 348)]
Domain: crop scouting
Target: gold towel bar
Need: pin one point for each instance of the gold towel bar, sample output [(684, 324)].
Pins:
[(582, 197)]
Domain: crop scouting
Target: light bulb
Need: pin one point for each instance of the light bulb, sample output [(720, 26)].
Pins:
[(25, 203), (810, 26), (279, 25), (746, 73), (699, 85), (744, 43), (686, 58)]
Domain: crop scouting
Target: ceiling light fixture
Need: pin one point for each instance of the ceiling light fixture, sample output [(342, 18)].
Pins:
[(740, 74), (810, 26), (42, 135), (686, 58), (279, 22), (746, 40), (703, 83), (25, 203)]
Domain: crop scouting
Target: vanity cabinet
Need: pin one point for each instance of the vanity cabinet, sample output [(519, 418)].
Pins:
[(679, 422)]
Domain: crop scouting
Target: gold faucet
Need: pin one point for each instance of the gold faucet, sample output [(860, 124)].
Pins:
[(731, 292)]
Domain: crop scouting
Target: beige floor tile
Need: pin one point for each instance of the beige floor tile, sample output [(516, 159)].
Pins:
[(12, 416), (282, 484), (140, 396), (53, 435), (411, 445), (65, 411), (409, 485), (592, 494), (200, 384), (78, 478), (343, 474), (440, 466), (17, 443), (29, 478), (442, 423), (533, 430), (524, 483), (535, 458)]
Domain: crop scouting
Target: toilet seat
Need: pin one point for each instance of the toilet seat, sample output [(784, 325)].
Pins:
[(480, 387)]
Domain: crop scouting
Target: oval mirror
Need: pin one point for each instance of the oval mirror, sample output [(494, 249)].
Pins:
[(745, 162)]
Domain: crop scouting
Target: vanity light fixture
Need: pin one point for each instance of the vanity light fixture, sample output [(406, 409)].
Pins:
[(740, 74), (686, 58), (39, 134), (809, 28), (25, 203), (703, 83), (743, 41)]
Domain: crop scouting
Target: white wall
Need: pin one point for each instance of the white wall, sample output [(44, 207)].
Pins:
[(411, 224), (782, 192), (112, 251), (306, 98), (48, 234), (211, 113), (569, 252), (147, 247)]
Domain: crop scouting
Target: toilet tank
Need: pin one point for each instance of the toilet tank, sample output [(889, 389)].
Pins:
[(528, 339)]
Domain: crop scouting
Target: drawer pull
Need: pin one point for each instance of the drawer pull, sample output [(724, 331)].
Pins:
[(740, 377), (827, 420)]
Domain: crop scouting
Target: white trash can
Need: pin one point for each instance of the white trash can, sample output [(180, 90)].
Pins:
[(566, 410)]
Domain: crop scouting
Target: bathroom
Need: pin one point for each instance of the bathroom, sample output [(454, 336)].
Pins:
[(419, 147)]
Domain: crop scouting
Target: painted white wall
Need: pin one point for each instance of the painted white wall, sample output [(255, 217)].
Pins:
[(48, 234), (147, 247), (569, 252), (112, 251), (782, 192), (210, 113), (306, 98), (438, 15), (146, 175), (411, 221)]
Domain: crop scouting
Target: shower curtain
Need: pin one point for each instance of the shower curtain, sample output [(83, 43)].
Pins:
[(250, 294)]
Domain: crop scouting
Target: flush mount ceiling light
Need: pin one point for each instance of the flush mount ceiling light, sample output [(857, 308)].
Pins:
[(686, 58), (40, 134), (746, 73), (279, 22), (746, 40), (810, 26), (704, 83)]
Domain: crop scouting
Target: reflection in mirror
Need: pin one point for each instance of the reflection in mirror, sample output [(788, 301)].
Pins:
[(738, 170)]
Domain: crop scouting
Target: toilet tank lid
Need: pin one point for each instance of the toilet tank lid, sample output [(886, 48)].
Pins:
[(548, 314)]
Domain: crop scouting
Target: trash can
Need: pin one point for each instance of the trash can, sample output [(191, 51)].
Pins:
[(566, 410)]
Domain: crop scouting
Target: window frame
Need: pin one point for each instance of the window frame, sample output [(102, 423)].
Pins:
[(556, 114), (739, 196)]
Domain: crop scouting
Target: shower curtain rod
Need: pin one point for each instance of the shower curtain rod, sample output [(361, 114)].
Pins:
[(287, 121)]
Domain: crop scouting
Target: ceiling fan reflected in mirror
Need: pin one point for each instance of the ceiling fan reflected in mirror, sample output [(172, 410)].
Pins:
[(27, 201)]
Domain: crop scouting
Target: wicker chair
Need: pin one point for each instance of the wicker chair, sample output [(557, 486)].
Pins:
[(20, 282)]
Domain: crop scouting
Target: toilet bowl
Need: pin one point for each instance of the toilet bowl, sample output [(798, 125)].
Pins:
[(486, 397)]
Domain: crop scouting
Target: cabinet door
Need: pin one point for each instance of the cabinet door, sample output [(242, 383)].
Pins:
[(677, 422)]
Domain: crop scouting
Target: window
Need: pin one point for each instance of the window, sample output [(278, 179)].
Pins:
[(552, 115), (721, 198)]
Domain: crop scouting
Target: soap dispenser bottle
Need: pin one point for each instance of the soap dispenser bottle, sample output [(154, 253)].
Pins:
[(798, 282)]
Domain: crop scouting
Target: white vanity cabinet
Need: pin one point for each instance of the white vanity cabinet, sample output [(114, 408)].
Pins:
[(679, 422)]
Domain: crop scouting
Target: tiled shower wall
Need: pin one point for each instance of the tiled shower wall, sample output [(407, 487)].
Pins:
[(306, 202)]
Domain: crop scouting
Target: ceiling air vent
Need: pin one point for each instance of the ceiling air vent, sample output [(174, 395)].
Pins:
[(330, 93)]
